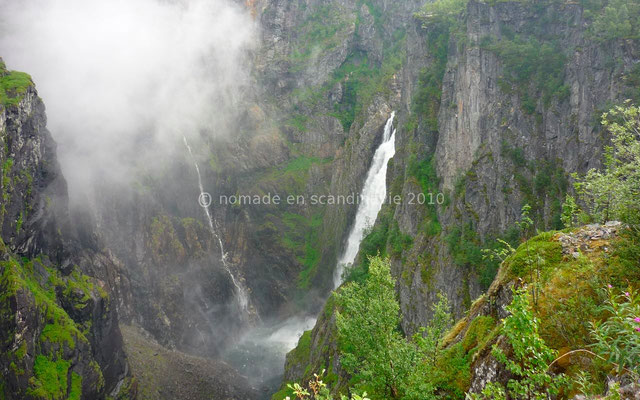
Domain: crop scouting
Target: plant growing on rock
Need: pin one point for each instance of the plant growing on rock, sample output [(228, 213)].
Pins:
[(528, 358)]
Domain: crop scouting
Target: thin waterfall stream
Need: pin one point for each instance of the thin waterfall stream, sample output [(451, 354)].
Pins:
[(241, 294)]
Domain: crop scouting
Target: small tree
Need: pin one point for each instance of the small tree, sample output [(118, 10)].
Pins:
[(614, 192), (372, 348), (374, 351), (570, 212)]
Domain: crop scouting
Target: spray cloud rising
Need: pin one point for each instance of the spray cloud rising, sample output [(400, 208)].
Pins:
[(123, 80)]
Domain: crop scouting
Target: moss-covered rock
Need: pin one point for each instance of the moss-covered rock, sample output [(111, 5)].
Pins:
[(51, 324)]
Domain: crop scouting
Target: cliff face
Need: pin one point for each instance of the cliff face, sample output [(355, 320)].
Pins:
[(503, 137), (497, 105), (60, 335), (31, 178)]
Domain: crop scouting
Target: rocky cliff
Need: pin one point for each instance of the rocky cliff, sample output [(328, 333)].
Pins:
[(498, 104), (60, 335)]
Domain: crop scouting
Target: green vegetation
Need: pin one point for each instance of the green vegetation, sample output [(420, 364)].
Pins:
[(613, 192), (530, 64), (528, 359), (373, 351), (13, 85), (542, 183), (426, 101), (398, 241), (425, 173), (43, 289), (76, 387), (322, 30), (318, 390), (374, 243), (164, 242), (584, 303), (50, 378), (303, 163), (301, 237), (300, 354), (614, 19), (360, 78)]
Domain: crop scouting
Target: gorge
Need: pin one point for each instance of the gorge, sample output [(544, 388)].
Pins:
[(118, 282)]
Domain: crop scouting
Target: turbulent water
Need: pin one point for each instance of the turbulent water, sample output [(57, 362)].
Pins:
[(373, 194), (260, 352), (241, 293)]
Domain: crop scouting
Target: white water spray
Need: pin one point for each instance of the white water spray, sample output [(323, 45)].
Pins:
[(373, 194), (241, 294)]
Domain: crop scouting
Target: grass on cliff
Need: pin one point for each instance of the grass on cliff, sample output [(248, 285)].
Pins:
[(60, 334), (13, 85), (568, 299)]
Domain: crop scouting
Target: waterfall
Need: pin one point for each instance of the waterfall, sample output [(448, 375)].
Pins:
[(241, 294), (371, 199), (260, 353)]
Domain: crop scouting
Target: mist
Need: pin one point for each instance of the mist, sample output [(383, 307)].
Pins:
[(123, 80)]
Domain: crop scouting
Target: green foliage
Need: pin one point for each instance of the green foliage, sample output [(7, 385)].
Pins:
[(303, 163), (429, 338), (374, 243), (76, 387), (612, 193), (617, 20), (466, 249), (300, 354), (301, 235), (318, 390), (441, 10), (46, 290), (618, 337), (399, 241), (58, 333), (427, 98), (542, 183), (539, 247), (373, 350), (425, 173), (531, 64), (13, 85), (299, 122), (50, 378), (321, 31), (528, 359), (570, 211), (362, 80)]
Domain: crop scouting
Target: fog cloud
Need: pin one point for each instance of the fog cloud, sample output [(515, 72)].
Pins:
[(122, 80)]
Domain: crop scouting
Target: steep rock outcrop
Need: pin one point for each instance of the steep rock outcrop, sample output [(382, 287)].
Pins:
[(60, 333), (499, 142)]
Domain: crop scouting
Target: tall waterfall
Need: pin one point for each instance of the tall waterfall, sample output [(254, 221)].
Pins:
[(260, 352), (372, 197), (241, 293)]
